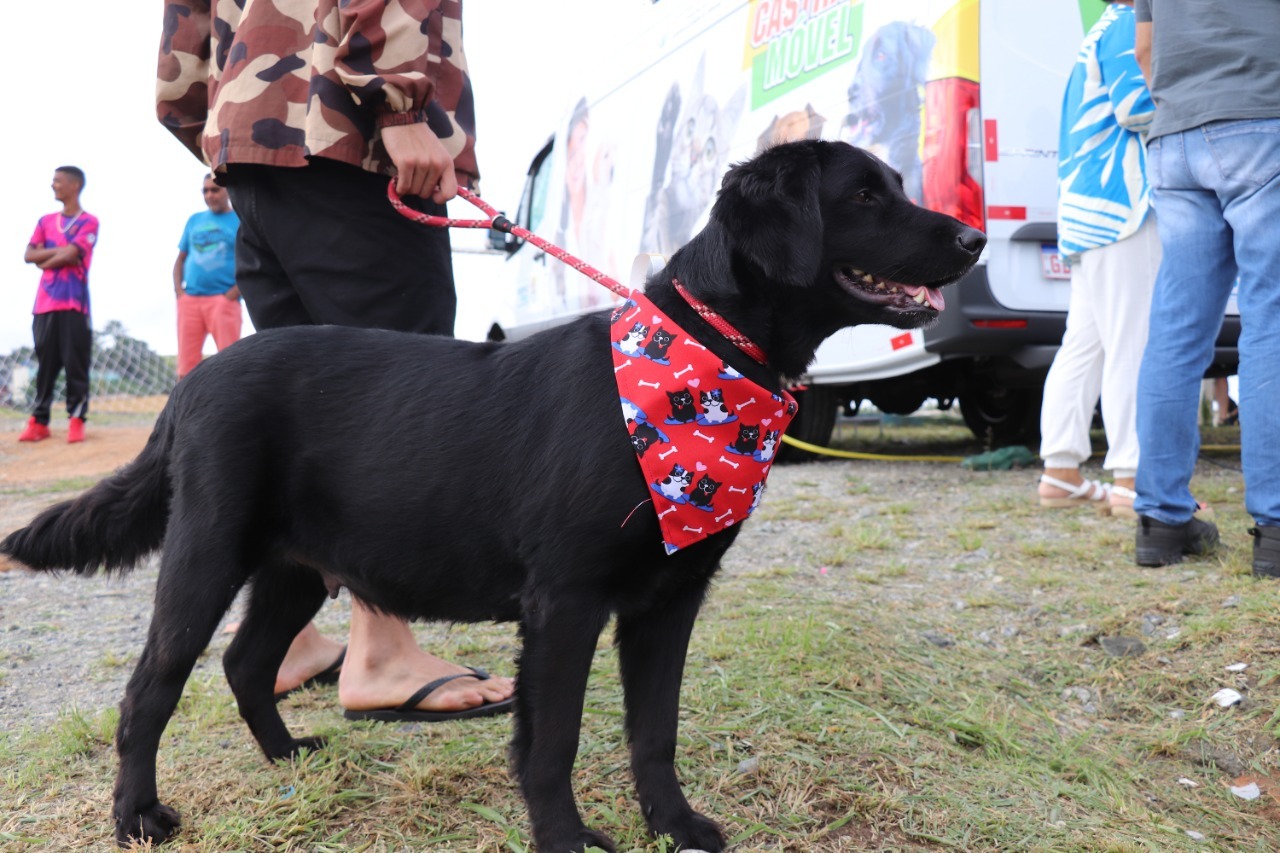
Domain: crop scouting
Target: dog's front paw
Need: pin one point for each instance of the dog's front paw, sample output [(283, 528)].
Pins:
[(579, 842), (692, 831), (293, 748), (155, 823)]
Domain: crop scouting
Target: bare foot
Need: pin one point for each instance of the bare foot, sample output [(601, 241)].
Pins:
[(310, 653), (366, 685), (1053, 492)]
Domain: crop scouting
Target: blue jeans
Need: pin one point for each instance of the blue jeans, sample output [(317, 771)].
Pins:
[(1217, 201)]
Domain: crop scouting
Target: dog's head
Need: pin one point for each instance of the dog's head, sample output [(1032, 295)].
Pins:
[(893, 64), (836, 240)]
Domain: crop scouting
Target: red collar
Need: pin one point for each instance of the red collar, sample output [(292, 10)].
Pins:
[(721, 325)]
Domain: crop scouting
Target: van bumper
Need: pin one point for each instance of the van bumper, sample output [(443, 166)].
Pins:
[(974, 324)]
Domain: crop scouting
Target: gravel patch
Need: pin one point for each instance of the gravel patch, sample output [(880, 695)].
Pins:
[(926, 539)]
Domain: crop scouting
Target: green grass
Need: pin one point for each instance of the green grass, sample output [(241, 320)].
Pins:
[(923, 674)]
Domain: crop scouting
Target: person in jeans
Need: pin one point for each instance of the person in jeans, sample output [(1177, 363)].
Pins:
[(204, 279), (1104, 227), (1213, 161)]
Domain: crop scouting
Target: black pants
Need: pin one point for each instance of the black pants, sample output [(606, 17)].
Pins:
[(322, 245), (64, 340)]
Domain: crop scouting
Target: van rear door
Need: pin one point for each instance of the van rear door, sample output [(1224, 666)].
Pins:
[(1028, 51)]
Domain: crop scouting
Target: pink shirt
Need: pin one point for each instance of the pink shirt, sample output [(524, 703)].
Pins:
[(65, 288)]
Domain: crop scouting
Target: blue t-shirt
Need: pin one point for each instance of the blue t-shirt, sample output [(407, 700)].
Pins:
[(210, 243)]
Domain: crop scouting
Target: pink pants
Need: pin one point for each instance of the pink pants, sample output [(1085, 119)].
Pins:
[(199, 316)]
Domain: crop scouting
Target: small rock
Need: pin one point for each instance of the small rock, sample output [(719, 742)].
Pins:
[(1193, 835), (1232, 601), (1237, 667), (1177, 714), (940, 640), (1188, 783), (1122, 647), (1080, 694), (749, 766)]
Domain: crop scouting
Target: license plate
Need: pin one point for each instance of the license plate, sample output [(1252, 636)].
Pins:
[(1052, 264)]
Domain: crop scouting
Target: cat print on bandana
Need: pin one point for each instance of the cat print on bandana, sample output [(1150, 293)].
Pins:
[(705, 435)]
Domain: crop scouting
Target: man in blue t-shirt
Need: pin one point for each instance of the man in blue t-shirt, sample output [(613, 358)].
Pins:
[(204, 279)]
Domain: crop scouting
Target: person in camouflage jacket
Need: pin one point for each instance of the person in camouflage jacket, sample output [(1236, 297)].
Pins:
[(279, 81), (303, 108)]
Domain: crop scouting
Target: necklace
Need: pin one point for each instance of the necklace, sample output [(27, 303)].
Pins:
[(63, 228)]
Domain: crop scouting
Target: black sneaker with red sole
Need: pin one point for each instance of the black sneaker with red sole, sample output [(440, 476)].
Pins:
[(1160, 544)]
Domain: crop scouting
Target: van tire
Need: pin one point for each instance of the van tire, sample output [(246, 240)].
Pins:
[(1000, 417), (814, 422)]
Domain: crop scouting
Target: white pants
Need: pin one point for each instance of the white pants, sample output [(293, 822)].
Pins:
[(1101, 353)]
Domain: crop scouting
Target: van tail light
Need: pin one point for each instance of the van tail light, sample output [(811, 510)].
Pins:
[(952, 161), (1000, 324)]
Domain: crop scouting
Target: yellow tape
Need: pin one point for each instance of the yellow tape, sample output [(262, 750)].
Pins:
[(850, 454), (884, 457)]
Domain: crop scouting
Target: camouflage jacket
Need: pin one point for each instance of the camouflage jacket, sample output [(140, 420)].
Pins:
[(277, 81)]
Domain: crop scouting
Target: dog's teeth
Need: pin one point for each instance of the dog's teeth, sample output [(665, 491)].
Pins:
[(868, 277), (919, 297), (881, 286)]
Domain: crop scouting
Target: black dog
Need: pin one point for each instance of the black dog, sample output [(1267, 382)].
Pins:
[(308, 457)]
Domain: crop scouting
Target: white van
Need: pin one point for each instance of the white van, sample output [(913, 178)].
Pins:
[(961, 96)]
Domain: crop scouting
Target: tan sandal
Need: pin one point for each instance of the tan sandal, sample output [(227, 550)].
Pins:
[(1088, 493), (1122, 505), (1122, 499)]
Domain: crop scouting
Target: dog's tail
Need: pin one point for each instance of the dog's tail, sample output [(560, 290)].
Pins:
[(112, 526)]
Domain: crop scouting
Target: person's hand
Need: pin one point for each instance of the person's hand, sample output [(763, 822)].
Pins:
[(423, 165), (233, 293)]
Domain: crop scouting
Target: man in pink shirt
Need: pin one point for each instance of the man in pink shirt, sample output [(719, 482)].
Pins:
[(62, 246)]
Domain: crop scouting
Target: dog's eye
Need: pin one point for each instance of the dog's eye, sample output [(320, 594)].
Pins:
[(863, 197)]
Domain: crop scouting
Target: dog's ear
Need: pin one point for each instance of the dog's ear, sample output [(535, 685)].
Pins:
[(770, 208)]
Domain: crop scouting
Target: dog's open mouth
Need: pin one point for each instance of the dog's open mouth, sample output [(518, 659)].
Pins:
[(891, 294)]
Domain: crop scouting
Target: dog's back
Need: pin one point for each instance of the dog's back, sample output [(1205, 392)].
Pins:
[(399, 455)]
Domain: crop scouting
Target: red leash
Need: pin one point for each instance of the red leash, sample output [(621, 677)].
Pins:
[(500, 223)]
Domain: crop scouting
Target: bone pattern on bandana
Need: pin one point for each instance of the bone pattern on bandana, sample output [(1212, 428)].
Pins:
[(705, 435)]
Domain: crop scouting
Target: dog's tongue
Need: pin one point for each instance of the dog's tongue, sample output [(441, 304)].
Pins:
[(932, 295)]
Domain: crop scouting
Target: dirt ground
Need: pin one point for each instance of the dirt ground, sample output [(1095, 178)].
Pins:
[(33, 474)]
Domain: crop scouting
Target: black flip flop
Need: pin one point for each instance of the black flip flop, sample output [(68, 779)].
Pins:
[(328, 675), (406, 712)]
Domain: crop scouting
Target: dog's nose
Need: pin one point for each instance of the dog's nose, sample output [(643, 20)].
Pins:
[(972, 240)]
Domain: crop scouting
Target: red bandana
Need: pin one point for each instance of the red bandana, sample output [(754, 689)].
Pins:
[(704, 434)]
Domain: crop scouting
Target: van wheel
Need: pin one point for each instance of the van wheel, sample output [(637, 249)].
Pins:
[(1003, 416), (813, 423)]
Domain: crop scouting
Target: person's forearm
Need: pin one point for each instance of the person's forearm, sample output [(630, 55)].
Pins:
[(177, 274), (62, 256), (36, 255), (1142, 48)]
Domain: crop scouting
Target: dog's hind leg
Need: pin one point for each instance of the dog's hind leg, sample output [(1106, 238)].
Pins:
[(651, 651), (283, 598), (559, 631), (197, 583)]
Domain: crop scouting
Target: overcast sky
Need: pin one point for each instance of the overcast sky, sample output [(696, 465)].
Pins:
[(81, 77)]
